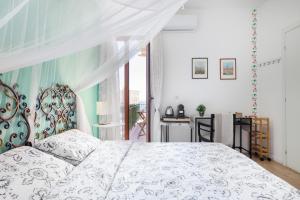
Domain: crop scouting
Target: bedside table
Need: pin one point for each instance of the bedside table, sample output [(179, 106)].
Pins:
[(112, 125)]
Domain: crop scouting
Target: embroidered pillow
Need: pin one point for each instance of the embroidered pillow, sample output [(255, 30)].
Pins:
[(27, 173), (72, 146)]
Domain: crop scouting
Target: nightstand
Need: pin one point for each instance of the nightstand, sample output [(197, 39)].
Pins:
[(112, 125)]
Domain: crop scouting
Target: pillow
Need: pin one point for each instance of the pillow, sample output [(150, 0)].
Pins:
[(72, 146), (27, 173)]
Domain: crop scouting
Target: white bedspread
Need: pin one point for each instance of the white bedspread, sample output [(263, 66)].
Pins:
[(194, 171), (119, 170), (92, 178), (27, 173)]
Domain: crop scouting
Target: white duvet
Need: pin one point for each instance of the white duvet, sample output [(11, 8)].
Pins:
[(27, 173), (124, 170), (188, 171)]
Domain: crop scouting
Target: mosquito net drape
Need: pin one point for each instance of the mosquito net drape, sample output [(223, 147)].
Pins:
[(9, 9), (38, 32), (47, 29), (41, 76)]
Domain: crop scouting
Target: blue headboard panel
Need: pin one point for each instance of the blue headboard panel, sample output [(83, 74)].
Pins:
[(55, 111), (14, 126)]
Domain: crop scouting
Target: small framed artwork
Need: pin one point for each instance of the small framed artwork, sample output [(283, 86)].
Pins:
[(199, 68), (228, 69)]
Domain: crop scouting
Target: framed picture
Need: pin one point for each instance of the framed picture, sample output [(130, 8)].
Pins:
[(199, 68), (228, 69)]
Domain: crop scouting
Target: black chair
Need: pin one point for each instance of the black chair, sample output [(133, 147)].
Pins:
[(206, 128)]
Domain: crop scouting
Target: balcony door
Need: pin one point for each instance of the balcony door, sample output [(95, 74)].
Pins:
[(137, 97)]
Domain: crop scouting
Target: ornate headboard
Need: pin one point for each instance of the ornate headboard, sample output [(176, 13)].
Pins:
[(14, 126), (55, 111)]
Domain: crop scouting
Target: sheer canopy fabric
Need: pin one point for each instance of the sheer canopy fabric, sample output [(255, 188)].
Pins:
[(156, 74), (144, 30), (48, 29), (9, 9), (32, 79), (110, 93), (50, 33)]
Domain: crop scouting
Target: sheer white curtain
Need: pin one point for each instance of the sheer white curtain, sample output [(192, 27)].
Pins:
[(133, 41), (82, 119), (53, 29), (37, 31), (9, 9), (110, 93), (156, 70)]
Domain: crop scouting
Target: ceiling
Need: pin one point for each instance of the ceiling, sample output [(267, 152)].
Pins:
[(205, 4)]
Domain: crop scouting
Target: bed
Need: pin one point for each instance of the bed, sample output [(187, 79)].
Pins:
[(126, 170), (170, 171), (72, 165)]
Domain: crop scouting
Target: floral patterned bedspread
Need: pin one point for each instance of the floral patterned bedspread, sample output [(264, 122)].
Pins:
[(92, 178), (27, 173), (124, 171), (188, 171), (194, 171)]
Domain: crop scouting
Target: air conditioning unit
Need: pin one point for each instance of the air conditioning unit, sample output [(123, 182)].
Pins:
[(182, 23)]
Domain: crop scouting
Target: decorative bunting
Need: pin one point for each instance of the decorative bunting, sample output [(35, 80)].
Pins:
[(271, 62), (254, 62)]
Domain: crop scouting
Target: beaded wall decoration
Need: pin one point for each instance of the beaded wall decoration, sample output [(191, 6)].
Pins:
[(254, 62)]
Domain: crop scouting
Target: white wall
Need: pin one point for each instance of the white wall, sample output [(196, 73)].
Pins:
[(226, 33), (273, 17), (222, 33)]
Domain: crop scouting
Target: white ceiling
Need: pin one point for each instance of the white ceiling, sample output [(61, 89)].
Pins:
[(204, 4)]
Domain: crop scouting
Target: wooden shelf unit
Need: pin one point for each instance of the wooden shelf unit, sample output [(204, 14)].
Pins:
[(261, 137)]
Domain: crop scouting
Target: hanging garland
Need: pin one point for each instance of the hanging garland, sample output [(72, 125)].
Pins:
[(254, 62)]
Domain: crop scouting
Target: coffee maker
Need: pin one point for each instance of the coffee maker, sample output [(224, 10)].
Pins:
[(180, 111)]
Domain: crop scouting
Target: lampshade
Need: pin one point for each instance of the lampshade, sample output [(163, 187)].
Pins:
[(102, 108)]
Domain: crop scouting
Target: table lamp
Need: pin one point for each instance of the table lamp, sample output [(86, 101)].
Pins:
[(102, 111)]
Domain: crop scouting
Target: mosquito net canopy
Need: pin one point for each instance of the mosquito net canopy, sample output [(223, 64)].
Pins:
[(92, 37), (34, 31)]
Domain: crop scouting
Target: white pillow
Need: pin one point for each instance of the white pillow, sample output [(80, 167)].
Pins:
[(27, 173), (72, 146)]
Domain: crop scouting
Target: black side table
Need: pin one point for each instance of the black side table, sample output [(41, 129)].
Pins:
[(242, 122)]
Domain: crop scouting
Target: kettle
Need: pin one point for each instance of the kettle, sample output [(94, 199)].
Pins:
[(169, 112)]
